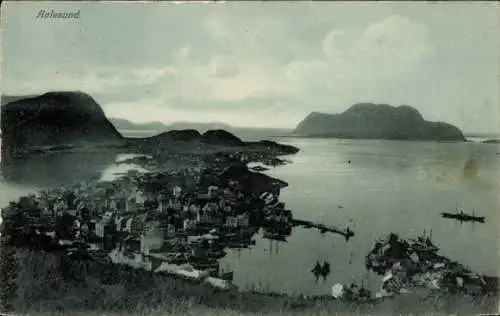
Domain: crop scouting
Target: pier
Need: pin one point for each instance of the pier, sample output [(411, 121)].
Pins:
[(347, 233)]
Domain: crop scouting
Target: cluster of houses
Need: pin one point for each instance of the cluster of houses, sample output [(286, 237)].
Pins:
[(94, 212)]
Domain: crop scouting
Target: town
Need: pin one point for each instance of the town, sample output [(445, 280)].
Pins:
[(178, 222)]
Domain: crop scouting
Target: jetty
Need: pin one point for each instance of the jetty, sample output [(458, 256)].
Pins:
[(463, 217), (323, 228)]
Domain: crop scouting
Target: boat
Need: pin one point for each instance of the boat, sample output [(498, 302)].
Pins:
[(423, 243), (463, 217)]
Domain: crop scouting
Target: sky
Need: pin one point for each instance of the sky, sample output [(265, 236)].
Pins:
[(261, 64)]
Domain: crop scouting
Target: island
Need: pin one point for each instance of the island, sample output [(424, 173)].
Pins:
[(377, 121)]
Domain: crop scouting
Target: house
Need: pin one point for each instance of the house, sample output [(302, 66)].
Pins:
[(231, 199), (177, 191), (208, 218), (177, 206), (130, 205), (194, 209), (140, 199), (151, 240), (106, 217), (210, 207), (118, 201), (212, 190), (60, 205), (163, 203), (269, 199), (231, 221), (99, 228), (188, 224), (241, 220), (168, 231), (228, 209), (146, 226), (97, 205)]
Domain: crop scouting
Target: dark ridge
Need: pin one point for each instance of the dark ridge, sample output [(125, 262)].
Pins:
[(221, 137), (55, 118), (187, 135)]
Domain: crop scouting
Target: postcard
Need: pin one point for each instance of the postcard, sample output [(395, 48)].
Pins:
[(249, 158)]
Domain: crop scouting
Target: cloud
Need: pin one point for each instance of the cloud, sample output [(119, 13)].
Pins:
[(395, 39), (216, 27), (226, 60), (387, 51), (224, 66)]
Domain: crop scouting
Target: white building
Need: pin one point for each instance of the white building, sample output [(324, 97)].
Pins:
[(106, 217), (151, 241), (99, 228), (177, 191), (162, 203), (212, 190), (131, 206), (241, 220), (208, 218), (188, 224), (140, 198)]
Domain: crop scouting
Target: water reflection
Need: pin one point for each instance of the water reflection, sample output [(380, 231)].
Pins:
[(121, 168), (57, 166)]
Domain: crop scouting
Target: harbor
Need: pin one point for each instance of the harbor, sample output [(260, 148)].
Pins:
[(180, 223)]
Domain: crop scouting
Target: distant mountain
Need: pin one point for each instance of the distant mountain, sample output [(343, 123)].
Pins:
[(377, 121), (123, 124), (54, 118), (199, 126), (247, 133)]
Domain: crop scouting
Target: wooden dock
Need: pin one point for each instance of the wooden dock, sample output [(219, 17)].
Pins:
[(347, 233)]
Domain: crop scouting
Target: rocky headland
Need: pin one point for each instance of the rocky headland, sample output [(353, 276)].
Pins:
[(377, 121)]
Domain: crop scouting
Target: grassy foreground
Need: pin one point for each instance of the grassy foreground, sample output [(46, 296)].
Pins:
[(43, 289)]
